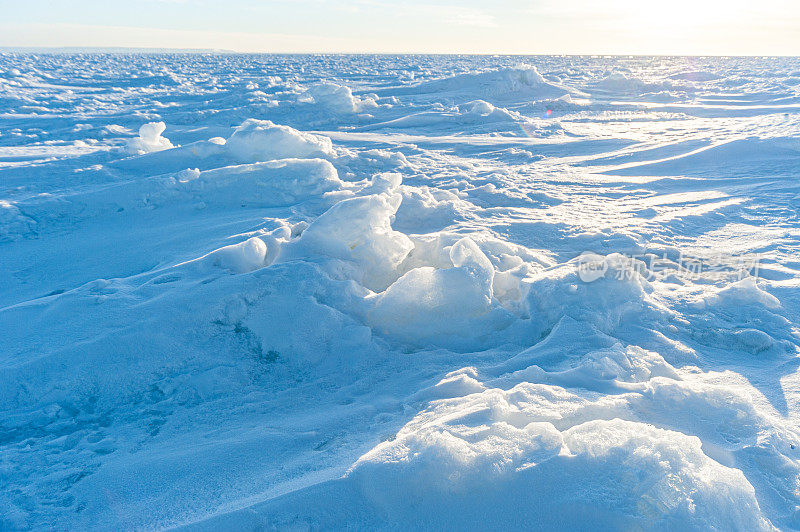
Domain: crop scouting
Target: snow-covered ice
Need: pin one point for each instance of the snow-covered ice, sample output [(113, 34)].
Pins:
[(399, 292)]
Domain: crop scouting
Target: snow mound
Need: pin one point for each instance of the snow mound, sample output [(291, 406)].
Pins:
[(149, 139), (261, 140), (252, 141), (600, 290), (203, 153), (339, 99), (264, 184), (742, 316), (523, 82), (274, 183), (429, 305), (479, 107), (483, 454), (744, 293), (619, 83), (358, 230), (240, 258), (536, 438), (607, 370), (614, 473), (483, 111), (564, 103), (471, 114)]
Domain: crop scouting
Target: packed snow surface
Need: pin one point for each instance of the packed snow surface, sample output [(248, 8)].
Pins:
[(294, 292)]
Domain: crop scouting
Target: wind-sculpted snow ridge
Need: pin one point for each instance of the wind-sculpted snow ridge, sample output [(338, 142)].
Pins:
[(374, 292)]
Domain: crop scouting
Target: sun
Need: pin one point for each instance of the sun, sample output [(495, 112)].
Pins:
[(678, 27)]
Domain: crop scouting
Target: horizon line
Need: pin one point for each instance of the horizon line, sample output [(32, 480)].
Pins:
[(122, 50)]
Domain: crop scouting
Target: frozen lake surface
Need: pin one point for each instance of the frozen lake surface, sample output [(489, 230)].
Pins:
[(400, 292)]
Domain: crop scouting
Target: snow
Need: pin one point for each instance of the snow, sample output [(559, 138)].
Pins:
[(430, 306), (270, 183), (403, 292), (494, 469), (358, 230), (335, 98), (242, 257), (14, 224), (149, 139), (261, 140), (500, 84)]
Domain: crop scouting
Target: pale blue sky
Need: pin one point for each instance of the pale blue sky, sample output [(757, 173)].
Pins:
[(729, 27)]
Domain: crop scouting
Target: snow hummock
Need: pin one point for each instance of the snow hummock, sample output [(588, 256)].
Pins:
[(339, 98), (359, 230), (240, 258), (500, 85), (269, 183), (743, 293), (149, 139), (428, 305), (261, 140), (484, 461)]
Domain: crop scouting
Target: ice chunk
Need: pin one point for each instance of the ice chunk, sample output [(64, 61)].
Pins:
[(359, 230), (428, 304), (270, 183), (339, 98), (466, 254), (482, 456), (149, 139), (262, 140)]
